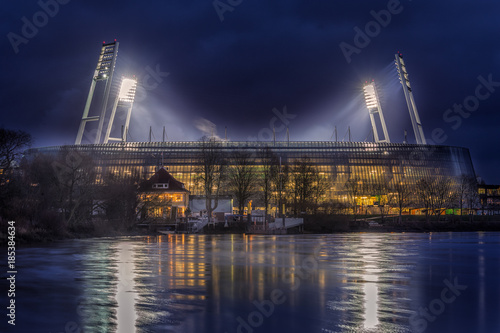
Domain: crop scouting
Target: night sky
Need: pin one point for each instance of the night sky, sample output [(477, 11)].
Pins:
[(232, 66)]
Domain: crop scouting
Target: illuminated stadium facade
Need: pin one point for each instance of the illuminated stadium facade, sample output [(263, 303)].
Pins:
[(336, 162)]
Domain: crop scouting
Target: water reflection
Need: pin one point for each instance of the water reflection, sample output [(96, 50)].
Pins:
[(171, 280), (352, 282), (481, 308), (225, 283), (371, 260), (97, 271), (372, 291), (126, 296)]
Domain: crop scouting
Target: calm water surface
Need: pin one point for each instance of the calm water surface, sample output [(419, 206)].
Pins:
[(439, 282)]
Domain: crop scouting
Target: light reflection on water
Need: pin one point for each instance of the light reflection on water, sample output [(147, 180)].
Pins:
[(371, 260), (96, 269), (126, 295), (225, 283)]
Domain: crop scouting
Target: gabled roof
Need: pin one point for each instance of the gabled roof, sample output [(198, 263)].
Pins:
[(162, 176)]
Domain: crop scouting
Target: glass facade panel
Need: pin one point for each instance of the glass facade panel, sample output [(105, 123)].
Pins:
[(336, 162)]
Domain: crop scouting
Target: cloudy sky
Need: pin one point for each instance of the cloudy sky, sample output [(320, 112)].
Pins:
[(206, 65)]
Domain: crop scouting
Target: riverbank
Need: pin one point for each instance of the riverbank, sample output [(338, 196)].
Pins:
[(433, 226), (332, 224), (25, 234), (318, 224)]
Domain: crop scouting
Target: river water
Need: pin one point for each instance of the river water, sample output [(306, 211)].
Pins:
[(358, 282)]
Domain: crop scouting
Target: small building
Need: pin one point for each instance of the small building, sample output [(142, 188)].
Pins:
[(198, 205), (163, 197), (489, 197)]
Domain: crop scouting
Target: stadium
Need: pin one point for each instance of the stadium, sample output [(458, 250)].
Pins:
[(336, 163)]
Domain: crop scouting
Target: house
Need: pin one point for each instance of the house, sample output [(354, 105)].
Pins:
[(163, 197)]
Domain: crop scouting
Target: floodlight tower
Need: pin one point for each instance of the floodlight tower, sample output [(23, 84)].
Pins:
[(103, 72), (125, 98), (374, 108), (410, 101)]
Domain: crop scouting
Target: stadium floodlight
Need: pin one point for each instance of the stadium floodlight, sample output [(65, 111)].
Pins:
[(370, 96), (127, 90), (125, 98), (374, 108), (410, 101), (103, 72)]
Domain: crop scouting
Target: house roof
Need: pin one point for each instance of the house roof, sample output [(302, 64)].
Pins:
[(162, 176)]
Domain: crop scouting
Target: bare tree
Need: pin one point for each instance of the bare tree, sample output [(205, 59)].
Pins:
[(43, 191), (472, 196), (61, 186), (269, 181), (401, 193), (281, 185), (320, 187), (12, 144), (353, 187), (308, 186), (466, 193), (76, 176), (34, 196), (381, 190), (435, 195), (30, 191), (211, 173), (241, 179), (425, 193), (461, 191), (444, 195), (120, 198)]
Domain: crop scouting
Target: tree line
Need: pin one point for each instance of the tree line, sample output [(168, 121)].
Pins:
[(432, 195), (298, 186), (260, 176), (63, 192), (66, 190)]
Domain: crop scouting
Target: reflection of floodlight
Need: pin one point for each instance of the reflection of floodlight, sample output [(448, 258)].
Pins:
[(374, 108)]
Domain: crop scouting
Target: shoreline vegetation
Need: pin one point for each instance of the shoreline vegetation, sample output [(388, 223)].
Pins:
[(409, 223), (69, 195), (313, 224)]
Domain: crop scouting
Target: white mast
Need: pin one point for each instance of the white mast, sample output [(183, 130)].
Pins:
[(410, 101), (103, 72)]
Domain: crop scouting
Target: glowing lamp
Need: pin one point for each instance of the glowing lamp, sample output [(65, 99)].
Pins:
[(127, 90), (370, 96)]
